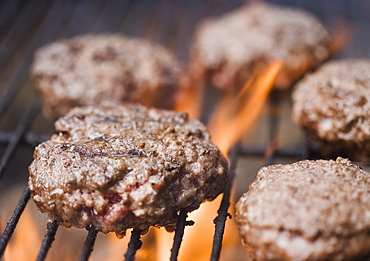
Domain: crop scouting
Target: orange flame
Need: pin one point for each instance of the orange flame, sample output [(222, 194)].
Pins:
[(232, 117), (341, 37), (190, 97), (109, 247), (22, 245), (229, 122), (28, 235)]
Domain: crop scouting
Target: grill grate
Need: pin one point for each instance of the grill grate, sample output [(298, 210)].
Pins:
[(26, 25), (14, 219), (48, 240), (89, 243), (179, 233)]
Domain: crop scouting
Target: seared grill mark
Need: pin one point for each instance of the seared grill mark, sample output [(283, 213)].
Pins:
[(98, 153), (133, 174)]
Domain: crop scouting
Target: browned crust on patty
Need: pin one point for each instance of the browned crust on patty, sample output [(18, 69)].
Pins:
[(88, 69), (229, 48), (309, 210), (123, 166), (332, 105)]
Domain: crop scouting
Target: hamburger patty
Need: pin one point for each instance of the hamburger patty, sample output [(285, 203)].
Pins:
[(309, 210), (332, 105), (88, 69), (229, 48), (125, 166)]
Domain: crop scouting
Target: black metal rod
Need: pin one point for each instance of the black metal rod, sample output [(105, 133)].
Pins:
[(223, 213), (29, 139), (30, 16), (134, 244), (274, 101), (18, 133), (53, 21), (8, 10), (179, 233), (48, 240), (13, 221), (89, 243), (32, 19), (260, 150)]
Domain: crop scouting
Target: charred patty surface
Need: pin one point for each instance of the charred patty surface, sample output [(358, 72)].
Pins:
[(88, 69), (229, 48), (309, 210), (123, 166), (332, 105)]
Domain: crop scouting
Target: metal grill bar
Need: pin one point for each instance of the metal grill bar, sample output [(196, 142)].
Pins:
[(89, 243), (90, 11), (8, 12), (69, 31), (115, 13), (134, 244), (46, 24), (30, 17), (274, 118), (12, 223), (260, 150), (26, 139), (223, 213), (179, 233), (48, 240), (45, 33), (18, 133)]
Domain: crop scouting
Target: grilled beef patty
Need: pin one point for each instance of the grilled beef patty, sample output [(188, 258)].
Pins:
[(125, 166), (309, 210), (229, 48), (87, 69), (332, 105)]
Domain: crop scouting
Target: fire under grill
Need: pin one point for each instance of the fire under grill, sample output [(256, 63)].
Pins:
[(27, 25)]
